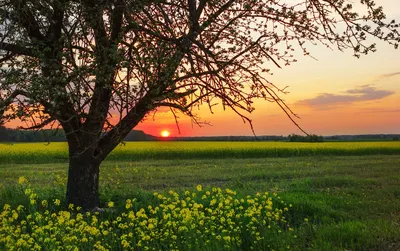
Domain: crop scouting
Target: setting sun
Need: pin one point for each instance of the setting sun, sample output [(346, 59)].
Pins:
[(165, 133)]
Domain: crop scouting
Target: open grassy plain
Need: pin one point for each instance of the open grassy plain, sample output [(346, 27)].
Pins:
[(321, 196)]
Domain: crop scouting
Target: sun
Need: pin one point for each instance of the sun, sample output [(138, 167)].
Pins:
[(164, 133)]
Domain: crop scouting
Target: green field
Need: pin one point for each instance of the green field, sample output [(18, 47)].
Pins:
[(329, 196)]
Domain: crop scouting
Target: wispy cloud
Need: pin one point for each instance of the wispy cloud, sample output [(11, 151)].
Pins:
[(362, 93), (390, 75)]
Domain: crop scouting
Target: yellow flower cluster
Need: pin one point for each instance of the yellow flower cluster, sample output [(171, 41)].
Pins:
[(206, 219)]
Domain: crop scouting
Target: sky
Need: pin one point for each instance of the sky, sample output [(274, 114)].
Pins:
[(335, 94)]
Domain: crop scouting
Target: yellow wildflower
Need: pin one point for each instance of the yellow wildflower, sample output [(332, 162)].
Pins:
[(57, 202), (125, 244), (22, 180)]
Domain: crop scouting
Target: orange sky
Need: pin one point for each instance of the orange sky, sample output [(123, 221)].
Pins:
[(338, 94)]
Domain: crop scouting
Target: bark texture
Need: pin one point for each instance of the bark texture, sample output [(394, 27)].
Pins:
[(83, 182)]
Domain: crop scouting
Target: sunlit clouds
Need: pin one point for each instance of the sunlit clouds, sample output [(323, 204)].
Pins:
[(359, 94)]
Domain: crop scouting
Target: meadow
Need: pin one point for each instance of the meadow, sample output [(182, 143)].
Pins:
[(208, 196)]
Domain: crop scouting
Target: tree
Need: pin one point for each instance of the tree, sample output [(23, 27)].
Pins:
[(3, 133), (308, 138), (98, 67)]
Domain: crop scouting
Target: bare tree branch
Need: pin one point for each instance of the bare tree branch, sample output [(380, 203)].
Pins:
[(16, 50), (38, 126), (172, 105)]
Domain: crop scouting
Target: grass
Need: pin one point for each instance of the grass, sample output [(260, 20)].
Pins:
[(338, 202)]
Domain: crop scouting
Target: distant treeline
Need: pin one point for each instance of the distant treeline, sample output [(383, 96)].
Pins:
[(290, 138), (363, 137), (307, 138), (12, 135), (228, 138), (52, 135)]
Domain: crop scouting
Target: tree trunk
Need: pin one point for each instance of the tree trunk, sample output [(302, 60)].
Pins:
[(83, 182)]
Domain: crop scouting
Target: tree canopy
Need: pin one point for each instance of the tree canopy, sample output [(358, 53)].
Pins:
[(97, 68)]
